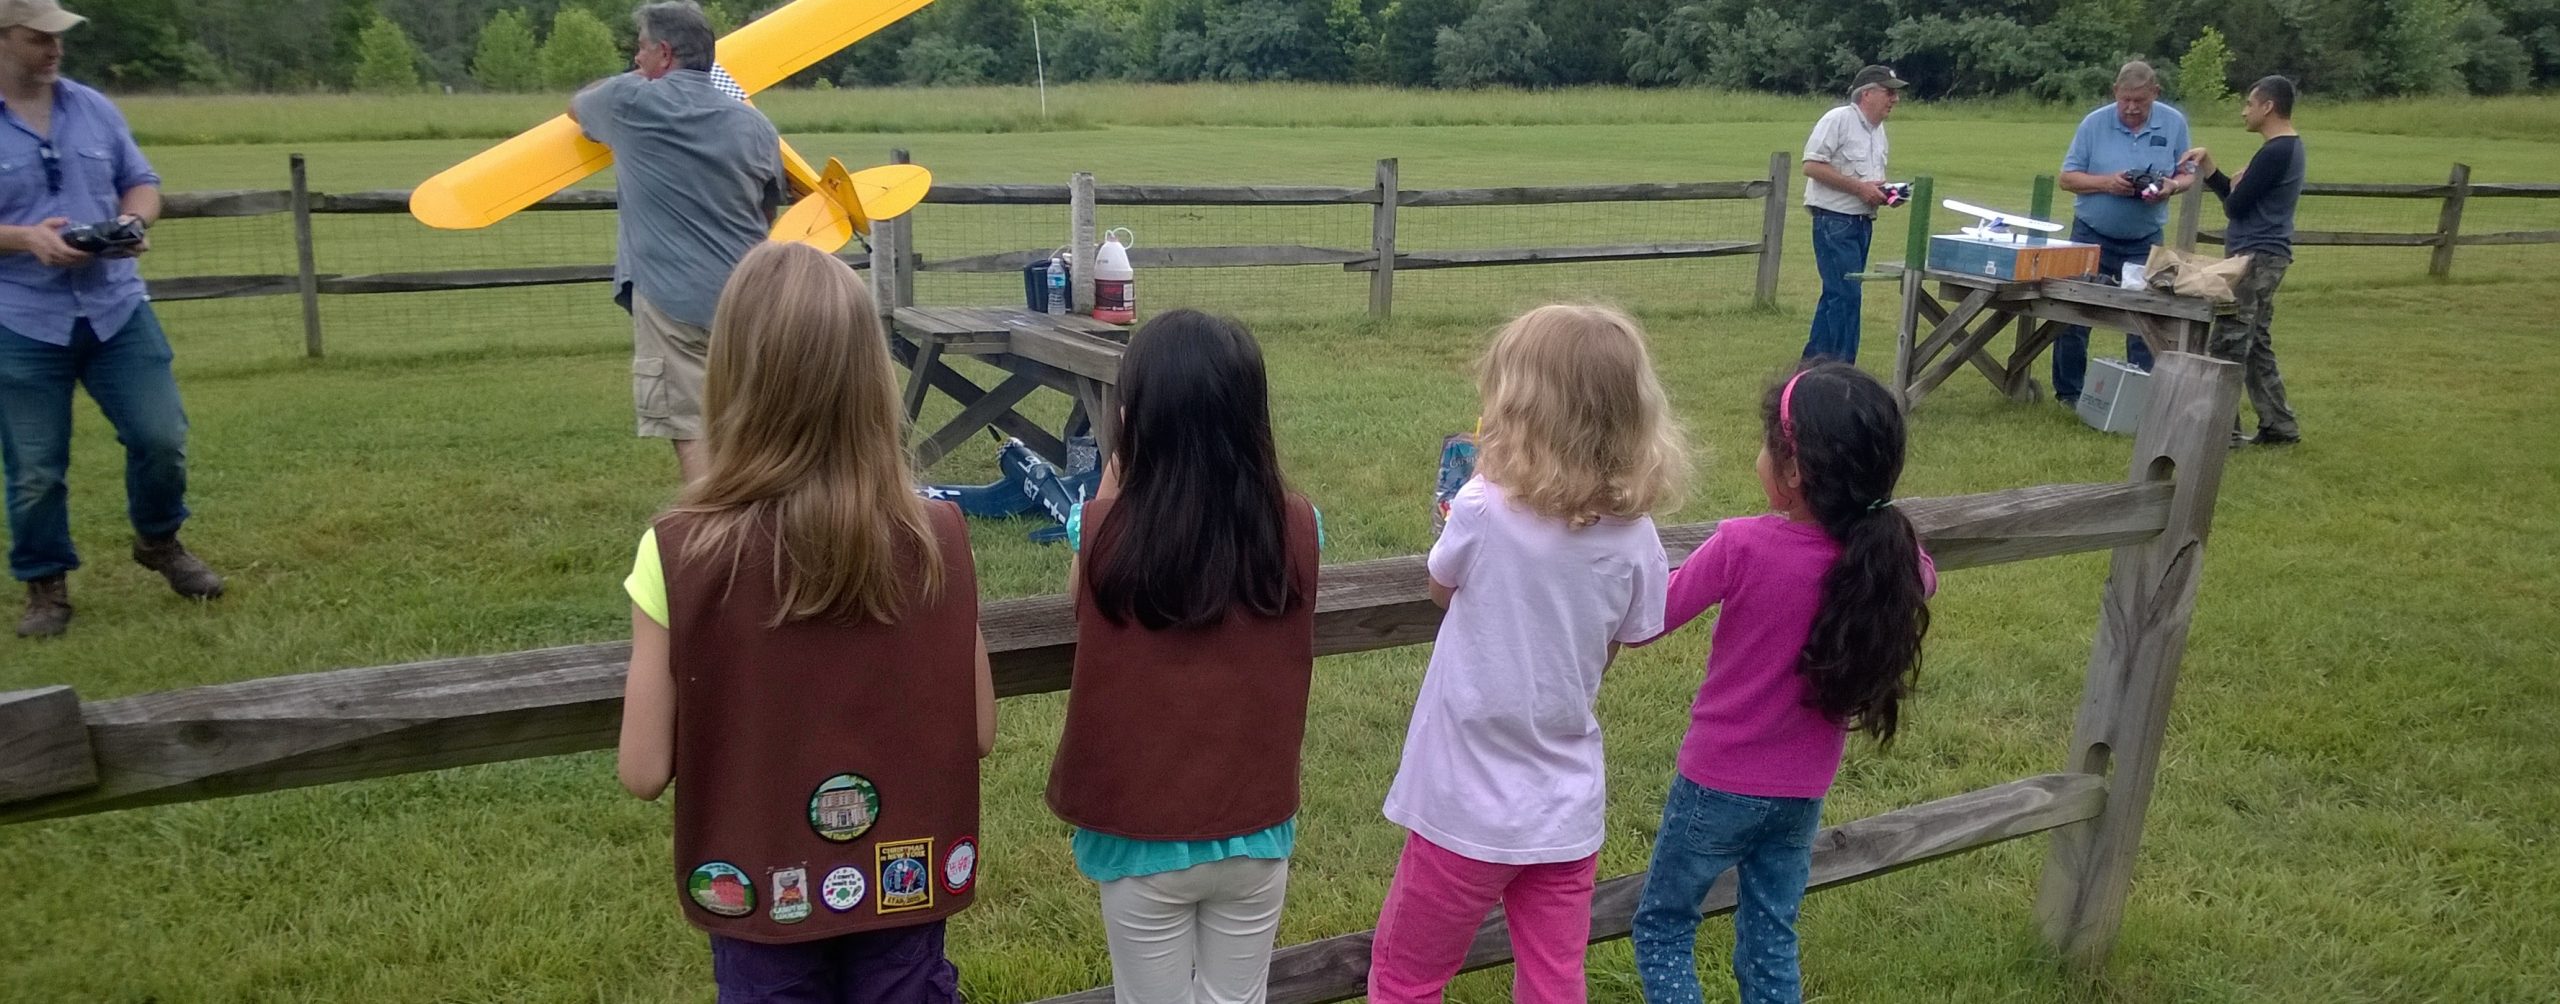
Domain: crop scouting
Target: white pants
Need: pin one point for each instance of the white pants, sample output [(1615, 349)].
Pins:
[(1201, 935)]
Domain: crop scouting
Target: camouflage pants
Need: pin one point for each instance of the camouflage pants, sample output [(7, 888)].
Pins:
[(2243, 337)]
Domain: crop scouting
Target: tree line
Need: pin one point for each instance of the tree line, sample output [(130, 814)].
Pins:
[(2048, 49)]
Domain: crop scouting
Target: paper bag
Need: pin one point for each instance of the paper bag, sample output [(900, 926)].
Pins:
[(2187, 274)]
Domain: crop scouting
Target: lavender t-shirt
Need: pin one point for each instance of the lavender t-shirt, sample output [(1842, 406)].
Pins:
[(1751, 732), (1502, 761)]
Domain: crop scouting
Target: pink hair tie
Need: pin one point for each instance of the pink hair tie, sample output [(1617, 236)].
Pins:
[(1786, 410)]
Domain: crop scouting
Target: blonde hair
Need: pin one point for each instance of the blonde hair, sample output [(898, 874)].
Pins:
[(1576, 425), (806, 443)]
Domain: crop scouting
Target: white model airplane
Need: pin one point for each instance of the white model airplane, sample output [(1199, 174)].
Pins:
[(1995, 224)]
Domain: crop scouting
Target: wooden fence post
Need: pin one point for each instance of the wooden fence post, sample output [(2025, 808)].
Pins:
[(1081, 239), (1773, 229), (45, 744), (2190, 218), (1915, 262), (2040, 198), (893, 258), (309, 279), (1382, 243), (2449, 223), (2133, 664)]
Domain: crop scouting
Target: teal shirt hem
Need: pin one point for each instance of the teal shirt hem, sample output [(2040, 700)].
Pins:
[(1106, 858)]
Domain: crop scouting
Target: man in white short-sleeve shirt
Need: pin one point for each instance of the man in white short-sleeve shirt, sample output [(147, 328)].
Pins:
[(1844, 162)]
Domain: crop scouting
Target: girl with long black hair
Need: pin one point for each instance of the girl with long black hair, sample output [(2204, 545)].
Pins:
[(1825, 604), (1195, 646)]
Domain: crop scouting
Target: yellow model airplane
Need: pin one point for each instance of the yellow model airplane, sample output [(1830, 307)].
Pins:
[(832, 205)]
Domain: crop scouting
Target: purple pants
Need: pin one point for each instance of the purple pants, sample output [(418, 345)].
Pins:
[(901, 965)]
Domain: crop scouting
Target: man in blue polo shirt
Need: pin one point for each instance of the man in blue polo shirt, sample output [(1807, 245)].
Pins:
[(2134, 134), (69, 316)]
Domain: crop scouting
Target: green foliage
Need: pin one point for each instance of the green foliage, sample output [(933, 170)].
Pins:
[(939, 61), (2204, 73), (386, 62), (2420, 51), (1409, 46), (1498, 44), (2493, 62), (1253, 40), (507, 58), (580, 49)]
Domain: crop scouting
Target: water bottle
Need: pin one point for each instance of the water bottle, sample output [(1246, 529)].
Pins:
[(1057, 299)]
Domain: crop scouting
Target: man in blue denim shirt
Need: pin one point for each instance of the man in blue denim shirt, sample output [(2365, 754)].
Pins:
[(2134, 133), (71, 317)]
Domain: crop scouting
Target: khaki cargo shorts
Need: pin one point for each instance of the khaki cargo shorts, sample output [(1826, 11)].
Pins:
[(668, 357)]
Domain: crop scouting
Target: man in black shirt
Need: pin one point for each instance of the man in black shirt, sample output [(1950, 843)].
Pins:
[(2259, 202)]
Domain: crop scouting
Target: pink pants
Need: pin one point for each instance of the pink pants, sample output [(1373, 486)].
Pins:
[(1440, 897)]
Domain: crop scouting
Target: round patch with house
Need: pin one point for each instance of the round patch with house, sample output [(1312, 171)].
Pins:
[(722, 888), (844, 807)]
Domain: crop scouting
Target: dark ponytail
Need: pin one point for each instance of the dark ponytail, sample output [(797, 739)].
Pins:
[(1845, 434)]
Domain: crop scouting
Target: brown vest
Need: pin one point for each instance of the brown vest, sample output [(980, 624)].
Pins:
[(826, 773), (1188, 734)]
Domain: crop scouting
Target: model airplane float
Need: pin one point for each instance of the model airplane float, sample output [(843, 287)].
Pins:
[(1995, 224), (832, 204)]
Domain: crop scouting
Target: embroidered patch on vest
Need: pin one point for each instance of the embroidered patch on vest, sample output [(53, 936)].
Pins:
[(842, 889), (790, 895), (844, 807), (906, 876), (960, 867), (721, 888)]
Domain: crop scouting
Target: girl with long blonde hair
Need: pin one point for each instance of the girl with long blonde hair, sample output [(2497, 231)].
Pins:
[(805, 652), (1549, 563)]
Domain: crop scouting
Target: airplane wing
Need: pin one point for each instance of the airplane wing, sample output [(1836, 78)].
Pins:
[(540, 161), (1989, 216)]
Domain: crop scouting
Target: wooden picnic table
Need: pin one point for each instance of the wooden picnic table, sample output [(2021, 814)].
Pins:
[(1967, 311), (1069, 353)]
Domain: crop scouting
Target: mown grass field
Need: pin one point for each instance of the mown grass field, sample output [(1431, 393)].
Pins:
[(2356, 804)]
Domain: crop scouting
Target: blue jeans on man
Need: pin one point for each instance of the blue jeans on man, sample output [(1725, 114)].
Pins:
[(2071, 347), (1840, 243), (1769, 842), (128, 375)]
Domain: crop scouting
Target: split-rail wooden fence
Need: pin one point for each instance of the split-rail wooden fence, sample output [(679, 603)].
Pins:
[(893, 243), (61, 756)]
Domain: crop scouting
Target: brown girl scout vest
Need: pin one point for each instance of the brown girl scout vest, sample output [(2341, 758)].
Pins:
[(1188, 734), (826, 773)]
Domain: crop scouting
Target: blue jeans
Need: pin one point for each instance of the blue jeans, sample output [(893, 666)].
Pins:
[(128, 375), (1705, 831), (2071, 347), (1839, 249)]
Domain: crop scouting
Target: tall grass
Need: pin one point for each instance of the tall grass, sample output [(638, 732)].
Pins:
[(279, 118)]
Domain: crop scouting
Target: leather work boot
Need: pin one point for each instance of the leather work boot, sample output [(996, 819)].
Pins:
[(48, 608), (187, 574)]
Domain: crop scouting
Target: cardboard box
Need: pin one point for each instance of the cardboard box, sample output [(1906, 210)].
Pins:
[(2112, 395), (2012, 260)]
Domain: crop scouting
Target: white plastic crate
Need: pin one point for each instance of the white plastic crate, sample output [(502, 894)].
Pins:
[(2112, 395)]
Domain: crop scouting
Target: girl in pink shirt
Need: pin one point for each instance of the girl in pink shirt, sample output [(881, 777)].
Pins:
[(1825, 603), (1548, 564)]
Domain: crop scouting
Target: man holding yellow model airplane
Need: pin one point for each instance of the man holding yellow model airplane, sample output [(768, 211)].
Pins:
[(700, 180)]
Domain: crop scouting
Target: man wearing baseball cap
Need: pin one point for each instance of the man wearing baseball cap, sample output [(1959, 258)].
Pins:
[(1843, 166), (72, 316)]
